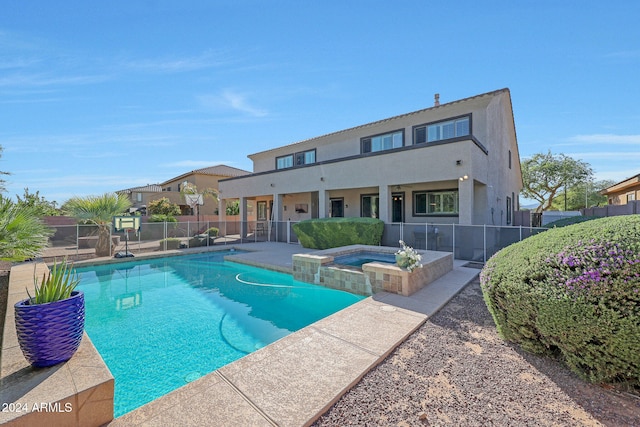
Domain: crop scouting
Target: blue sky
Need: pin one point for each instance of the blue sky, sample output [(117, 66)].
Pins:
[(103, 96)]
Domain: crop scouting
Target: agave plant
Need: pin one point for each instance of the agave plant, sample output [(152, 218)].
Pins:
[(55, 285)]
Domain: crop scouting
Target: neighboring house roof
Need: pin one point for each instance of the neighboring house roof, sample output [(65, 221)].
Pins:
[(622, 185), (218, 170), (488, 94), (149, 188)]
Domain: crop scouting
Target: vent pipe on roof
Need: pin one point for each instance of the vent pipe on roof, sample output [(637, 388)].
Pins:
[(436, 100)]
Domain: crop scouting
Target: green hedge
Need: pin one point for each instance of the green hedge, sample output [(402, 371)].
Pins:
[(569, 221), (325, 233), (171, 242), (573, 290)]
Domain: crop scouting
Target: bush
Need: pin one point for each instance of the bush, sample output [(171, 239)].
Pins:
[(212, 232), (172, 243), (573, 290), (569, 221), (162, 218), (324, 233)]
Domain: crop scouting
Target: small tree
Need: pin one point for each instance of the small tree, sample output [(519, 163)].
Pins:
[(583, 194), (99, 210), (544, 175), (40, 205), (233, 208), (163, 207)]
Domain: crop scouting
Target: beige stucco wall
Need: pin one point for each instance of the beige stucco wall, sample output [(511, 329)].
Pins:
[(425, 167)]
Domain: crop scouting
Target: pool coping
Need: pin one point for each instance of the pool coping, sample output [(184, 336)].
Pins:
[(297, 378)]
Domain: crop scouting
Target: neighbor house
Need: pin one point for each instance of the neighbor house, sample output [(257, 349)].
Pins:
[(141, 196), (456, 162), (624, 191), (204, 179)]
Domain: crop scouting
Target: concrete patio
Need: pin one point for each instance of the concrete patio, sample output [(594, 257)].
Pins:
[(288, 383)]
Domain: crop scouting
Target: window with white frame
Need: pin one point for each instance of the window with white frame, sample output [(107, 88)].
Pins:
[(382, 142), (435, 202), (442, 130)]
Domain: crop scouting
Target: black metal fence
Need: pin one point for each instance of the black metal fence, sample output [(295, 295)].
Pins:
[(466, 242)]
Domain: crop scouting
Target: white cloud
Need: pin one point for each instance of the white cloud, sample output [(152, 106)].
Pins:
[(604, 138), (232, 100), (208, 59), (621, 155)]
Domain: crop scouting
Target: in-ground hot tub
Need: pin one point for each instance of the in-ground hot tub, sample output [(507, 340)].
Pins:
[(358, 259), (373, 275)]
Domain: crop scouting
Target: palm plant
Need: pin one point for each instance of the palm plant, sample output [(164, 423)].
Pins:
[(23, 234), (99, 210)]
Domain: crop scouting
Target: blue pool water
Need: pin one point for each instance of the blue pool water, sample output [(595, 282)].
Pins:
[(160, 323), (358, 258)]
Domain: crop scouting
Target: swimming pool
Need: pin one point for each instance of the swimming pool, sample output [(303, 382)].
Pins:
[(356, 259), (161, 323)]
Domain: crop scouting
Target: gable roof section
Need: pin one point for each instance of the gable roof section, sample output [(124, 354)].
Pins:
[(218, 170), (488, 94)]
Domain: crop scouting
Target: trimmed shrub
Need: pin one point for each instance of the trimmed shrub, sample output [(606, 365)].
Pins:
[(172, 243), (569, 221), (212, 232), (162, 218), (573, 290), (325, 233)]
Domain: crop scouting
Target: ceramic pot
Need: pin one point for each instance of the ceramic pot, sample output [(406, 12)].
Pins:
[(50, 333)]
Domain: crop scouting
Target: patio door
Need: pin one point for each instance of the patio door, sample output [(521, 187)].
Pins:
[(337, 208), (397, 207)]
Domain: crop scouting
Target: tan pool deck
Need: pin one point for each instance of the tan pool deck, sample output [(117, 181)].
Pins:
[(288, 383)]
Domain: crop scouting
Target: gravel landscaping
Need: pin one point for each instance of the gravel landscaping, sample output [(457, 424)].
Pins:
[(455, 370)]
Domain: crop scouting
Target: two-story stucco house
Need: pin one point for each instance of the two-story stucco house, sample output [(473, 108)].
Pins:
[(204, 179), (452, 163)]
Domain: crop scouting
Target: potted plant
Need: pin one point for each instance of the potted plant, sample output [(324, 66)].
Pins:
[(408, 258), (50, 324)]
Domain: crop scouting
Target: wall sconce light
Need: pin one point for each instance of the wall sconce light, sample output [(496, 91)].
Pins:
[(346, 206), (273, 185), (465, 177), (322, 178), (285, 208), (458, 162)]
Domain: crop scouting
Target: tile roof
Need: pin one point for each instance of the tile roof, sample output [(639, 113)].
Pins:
[(219, 170), (149, 188)]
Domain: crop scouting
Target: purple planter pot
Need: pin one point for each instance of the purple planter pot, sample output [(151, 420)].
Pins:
[(50, 333)]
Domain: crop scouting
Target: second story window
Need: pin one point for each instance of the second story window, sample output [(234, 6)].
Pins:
[(306, 157), (302, 158), (284, 162), (382, 142), (442, 130)]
